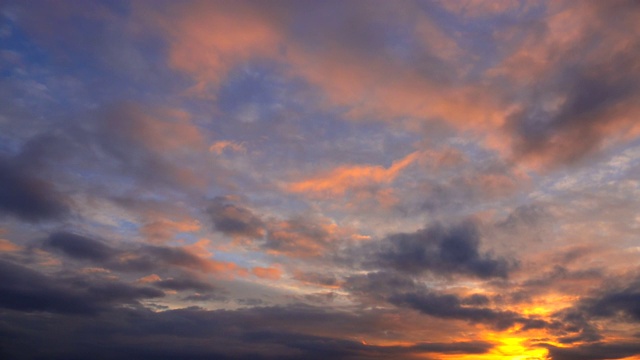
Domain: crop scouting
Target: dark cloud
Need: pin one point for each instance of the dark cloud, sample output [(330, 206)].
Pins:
[(25, 289), (324, 279), (321, 297), (154, 256), (476, 300), (560, 276), (297, 236), (232, 219), (24, 195), (379, 285), (205, 297), (438, 249), (580, 322), (130, 258), (620, 302), (404, 292), (597, 351), (194, 333), (449, 306), (184, 284), (596, 90), (80, 247), (625, 303)]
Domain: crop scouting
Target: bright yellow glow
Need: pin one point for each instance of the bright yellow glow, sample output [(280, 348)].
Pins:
[(508, 347), (513, 348), (547, 305)]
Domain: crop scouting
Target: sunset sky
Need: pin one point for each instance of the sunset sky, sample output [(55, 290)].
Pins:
[(262, 180)]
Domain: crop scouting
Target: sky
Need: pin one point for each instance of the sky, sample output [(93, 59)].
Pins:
[(302, 179)]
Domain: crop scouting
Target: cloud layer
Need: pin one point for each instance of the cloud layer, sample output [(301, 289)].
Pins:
[(311, 180)]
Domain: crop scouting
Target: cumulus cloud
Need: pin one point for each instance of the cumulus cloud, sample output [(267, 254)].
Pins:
[(444, 250), (235, 220)]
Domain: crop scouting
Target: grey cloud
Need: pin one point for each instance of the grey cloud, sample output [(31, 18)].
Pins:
[(596, 87), (194, 333), (24, 195), (379, 285), (449, 306), (528, 215), (438, 249), (80, 247), (139, 258), (476, 300), (596, 351), (232, 219), (404, 292), (324, 279), (579, 323), (27, 290), (184, 284), (614, 302)]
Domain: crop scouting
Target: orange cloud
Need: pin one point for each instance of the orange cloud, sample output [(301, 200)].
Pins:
[(149, 279), (270, 273), (207, 40), (339, 180), (164, 230), (219, 147), (595, 104), (162, 130), (300, 237), (8, 246)]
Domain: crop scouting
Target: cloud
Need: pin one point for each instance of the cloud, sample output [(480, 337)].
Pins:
[(27, 197), (572, 105), (220, 146), (300, 236), (344, 127), (316, 278), (234, 220), (615, 302), (8, 246), (344, 178), (163, 230), (181, 284), (24, 289), (137, 258), (342, 49), (443, 250), (80, 247), (404, 292), (153, 145), (597, 351), (230, 334), (271, 273), (478, 8), (449, 306), (582, 320)]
